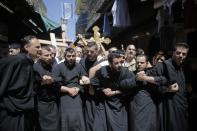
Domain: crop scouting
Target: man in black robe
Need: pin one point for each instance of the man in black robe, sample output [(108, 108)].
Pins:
[(47, 93), (142, 108), (91, 54), (89, 98), (68, 74), (17, 81), (173, 107), (113, 115)]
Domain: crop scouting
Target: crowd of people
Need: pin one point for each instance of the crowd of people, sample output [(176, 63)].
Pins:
[(121, 91)]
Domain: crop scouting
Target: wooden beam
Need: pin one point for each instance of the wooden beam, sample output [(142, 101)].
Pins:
[(47, 42), (53, 39)]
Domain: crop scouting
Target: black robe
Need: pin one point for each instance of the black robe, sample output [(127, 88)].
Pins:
[(111, 113), (172, 108), (47, 100), (17, 81), (88, 100), (72, 118), (142, 106)]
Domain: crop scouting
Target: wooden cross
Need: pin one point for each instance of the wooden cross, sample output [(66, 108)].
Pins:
[(97, 36), (99, 40)]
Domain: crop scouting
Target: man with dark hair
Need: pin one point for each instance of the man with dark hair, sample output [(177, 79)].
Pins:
[(177, 117), (91, 56), (173, 107), (14, 48), (160, 56), (130, 57), (89, 61), (142, 107), (111, 114), (68, 74), (94, 69), (92, 51), (17, 81), (47, 93), (110, 50)]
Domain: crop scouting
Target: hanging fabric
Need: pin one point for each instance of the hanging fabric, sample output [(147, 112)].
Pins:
[(120, 13), (106, 25)]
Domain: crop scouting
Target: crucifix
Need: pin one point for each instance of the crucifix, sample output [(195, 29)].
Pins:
[(99, 40), (96, 38)]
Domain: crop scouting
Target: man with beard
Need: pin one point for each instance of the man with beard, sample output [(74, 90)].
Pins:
[(47, 93), (173, 107), (17, 81), (91, 56), (94, 69), (88, 98), (113, 115), (68, 74)]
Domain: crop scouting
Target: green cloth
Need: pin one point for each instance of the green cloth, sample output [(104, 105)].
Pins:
[(49, 24)]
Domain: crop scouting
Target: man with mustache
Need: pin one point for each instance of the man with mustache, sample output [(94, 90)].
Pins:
[(68, 74), (130, 62), (173, 112)]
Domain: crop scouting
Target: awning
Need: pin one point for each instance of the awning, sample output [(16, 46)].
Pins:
[(49, 24), (42, 23)]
